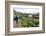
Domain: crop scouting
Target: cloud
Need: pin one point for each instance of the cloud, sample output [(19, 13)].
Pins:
[(27, 10)]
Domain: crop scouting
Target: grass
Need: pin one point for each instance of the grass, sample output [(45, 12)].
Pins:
[(26, 22)]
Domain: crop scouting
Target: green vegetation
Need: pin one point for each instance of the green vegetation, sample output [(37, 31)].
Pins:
[(26, 21)]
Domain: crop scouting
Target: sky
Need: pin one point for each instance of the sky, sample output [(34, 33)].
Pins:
[(27, 10)]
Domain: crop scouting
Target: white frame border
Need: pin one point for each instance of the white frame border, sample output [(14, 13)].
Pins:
[(24, 29)]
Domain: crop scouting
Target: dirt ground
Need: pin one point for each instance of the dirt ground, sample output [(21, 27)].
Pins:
[(15, 25)]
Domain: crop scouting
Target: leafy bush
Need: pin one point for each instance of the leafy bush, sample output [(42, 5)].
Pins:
[(26, 22)]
